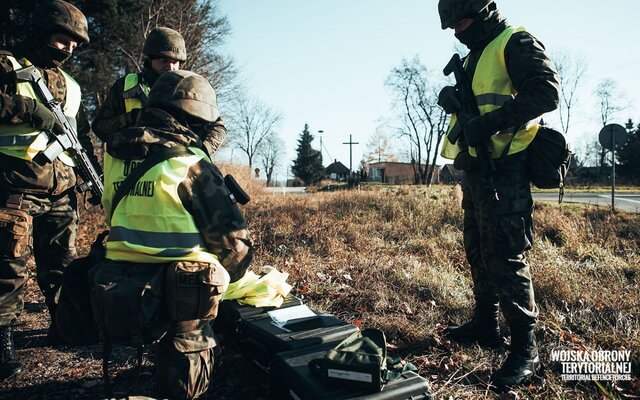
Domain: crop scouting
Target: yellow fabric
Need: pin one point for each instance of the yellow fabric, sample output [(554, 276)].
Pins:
[(26, 148), (130, 81), (151, 225), (492, 86), (268, 290)]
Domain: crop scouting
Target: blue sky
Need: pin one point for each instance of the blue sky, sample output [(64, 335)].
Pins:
[(324, 62)]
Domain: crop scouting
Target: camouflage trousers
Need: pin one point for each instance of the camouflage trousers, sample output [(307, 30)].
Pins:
[(496, 236), (185, 360), (50, 237)]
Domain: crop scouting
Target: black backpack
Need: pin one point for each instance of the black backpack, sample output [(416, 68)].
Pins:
[(549, 158)]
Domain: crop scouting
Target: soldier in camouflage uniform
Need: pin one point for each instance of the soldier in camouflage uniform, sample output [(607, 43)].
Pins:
[(181, 106), (37, 197), (514, 83), (164, 49)]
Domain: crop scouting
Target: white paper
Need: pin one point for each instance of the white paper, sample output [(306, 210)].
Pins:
[(282, 316)]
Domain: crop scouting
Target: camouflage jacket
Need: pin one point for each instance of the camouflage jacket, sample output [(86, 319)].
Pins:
[(40, 177), (112, 117), (531, 71), (222, 225)]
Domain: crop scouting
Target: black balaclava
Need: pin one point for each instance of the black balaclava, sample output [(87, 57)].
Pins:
[(43, 54), (148, 73), (57, 56), (486, 25)]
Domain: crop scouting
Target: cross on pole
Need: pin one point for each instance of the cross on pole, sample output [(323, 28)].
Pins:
[(350, 143)]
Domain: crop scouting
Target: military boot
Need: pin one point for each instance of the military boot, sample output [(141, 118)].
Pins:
[(9, 365), (482, 329), (523, 363)]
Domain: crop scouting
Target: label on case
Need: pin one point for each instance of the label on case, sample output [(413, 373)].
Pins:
[(349, 375)]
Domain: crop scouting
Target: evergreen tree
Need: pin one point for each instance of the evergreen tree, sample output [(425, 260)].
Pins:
[(308, 164), (627, 155)]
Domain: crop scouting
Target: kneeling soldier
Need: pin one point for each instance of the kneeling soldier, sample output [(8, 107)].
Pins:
[(178, 213)]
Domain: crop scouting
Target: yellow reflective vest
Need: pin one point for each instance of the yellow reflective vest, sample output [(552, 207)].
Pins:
[(131, 93), (492, 88), (23, 141), (150, 224)]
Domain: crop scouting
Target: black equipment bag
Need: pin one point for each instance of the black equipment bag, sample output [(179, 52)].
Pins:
[(291, 378), (74, 315), (360, 360), (549, 159), (263, 339)]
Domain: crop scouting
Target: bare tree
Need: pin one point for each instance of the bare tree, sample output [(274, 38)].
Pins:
[(609, 100), (379, 148), (415, 95), (571, 70), (251, 122), (271, 154)]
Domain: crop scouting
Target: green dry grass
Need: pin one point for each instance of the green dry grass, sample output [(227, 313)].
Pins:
[(393, 258)]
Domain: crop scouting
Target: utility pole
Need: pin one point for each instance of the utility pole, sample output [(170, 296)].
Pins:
[(320, 132), (323, 147), (350, 143)]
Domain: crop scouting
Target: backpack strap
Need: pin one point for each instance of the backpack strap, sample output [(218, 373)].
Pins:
[(136, 335), (507, 147), (106, 356), (148, 163), (396, 368)]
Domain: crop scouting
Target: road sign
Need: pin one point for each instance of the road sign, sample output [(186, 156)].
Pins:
[(613, 134), (611, 137)]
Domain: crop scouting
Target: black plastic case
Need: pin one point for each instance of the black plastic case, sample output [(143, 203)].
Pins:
[(291, 379), (263, 339)]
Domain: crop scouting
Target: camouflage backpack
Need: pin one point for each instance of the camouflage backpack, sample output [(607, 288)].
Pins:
[(128, 302)]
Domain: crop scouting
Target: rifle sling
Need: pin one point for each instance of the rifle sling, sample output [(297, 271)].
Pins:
[(148, 163)]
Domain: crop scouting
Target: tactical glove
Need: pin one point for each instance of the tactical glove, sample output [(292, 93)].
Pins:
[(477, 131), (449, 100), (464, 161), (41, 117)]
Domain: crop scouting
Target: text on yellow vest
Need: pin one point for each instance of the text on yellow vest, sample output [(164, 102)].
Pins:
[(150, 224)]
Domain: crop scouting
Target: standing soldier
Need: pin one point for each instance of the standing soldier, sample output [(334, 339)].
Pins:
[(187, 215), (164, 49), (37, 197), (514, 83)]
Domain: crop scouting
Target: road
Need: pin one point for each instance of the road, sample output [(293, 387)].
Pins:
[(627, 201), (287, 190)]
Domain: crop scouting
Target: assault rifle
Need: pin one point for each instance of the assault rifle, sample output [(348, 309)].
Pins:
[(67, 140), (470, 110)]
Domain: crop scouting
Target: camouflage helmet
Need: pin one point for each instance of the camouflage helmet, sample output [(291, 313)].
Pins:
[(186, 92), (452, 11), (164, 42), (59, 16)]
